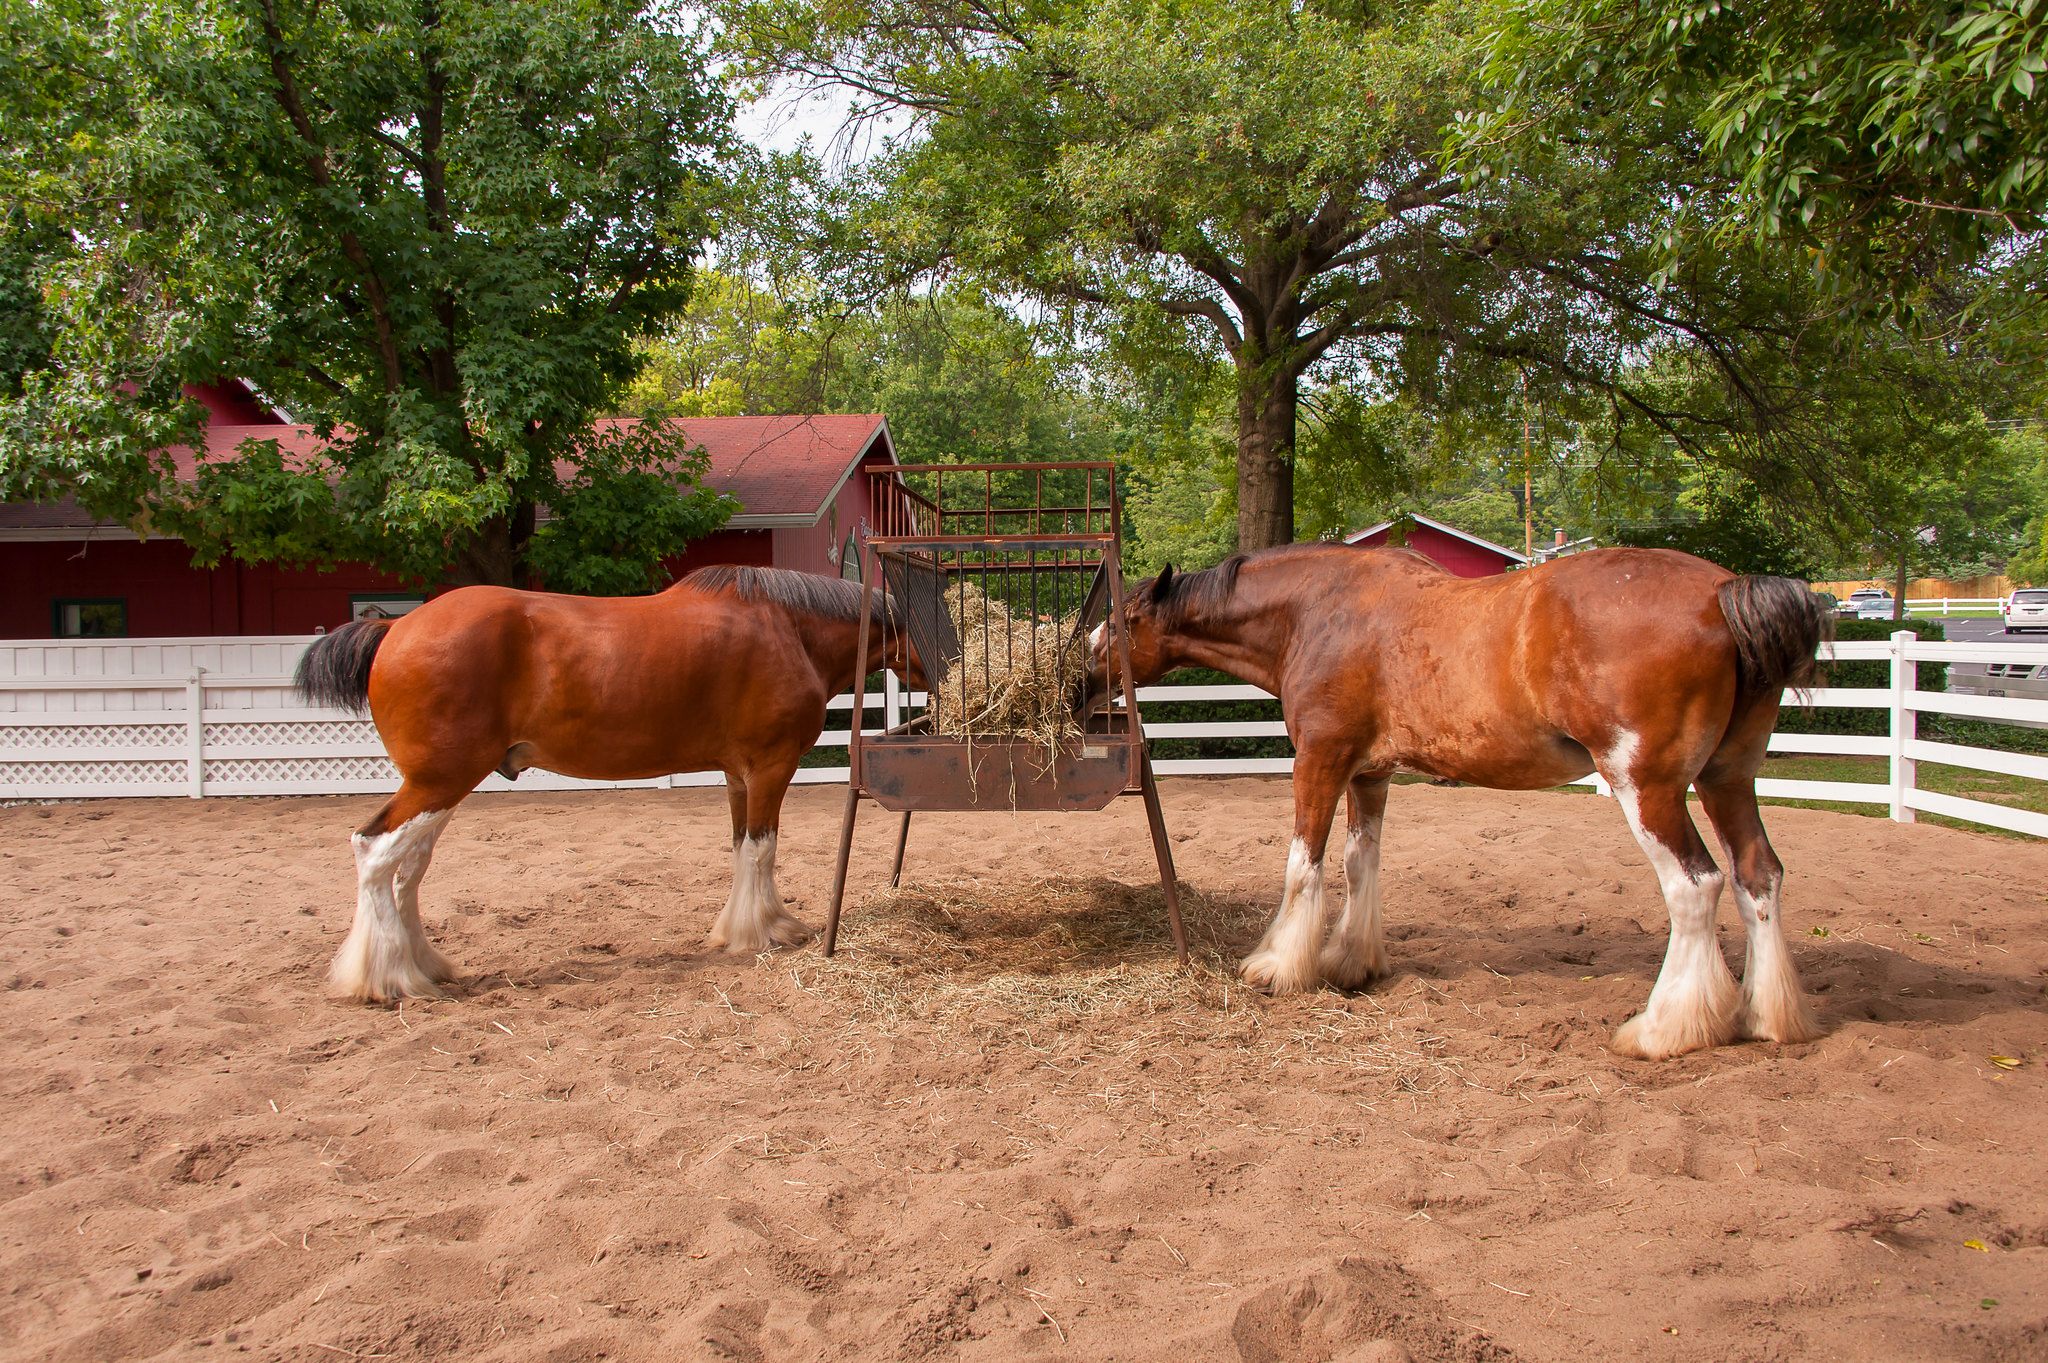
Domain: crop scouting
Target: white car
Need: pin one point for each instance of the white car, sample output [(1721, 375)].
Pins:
[(2025, 609), (1853, 603), (1878, 607)]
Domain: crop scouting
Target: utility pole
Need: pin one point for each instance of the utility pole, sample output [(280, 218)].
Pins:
[(1528, 507)]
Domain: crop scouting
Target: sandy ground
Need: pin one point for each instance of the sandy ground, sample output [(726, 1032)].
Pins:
[(999, 1125)]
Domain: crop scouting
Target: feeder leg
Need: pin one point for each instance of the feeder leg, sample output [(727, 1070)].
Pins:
[(902, 841), (1160, 845), (839, 873)]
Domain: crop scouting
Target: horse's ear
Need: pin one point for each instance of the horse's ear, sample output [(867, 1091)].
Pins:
[(1162, 584)]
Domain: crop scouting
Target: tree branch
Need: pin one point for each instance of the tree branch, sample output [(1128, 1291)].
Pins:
[(315, 157), (1233, 340)]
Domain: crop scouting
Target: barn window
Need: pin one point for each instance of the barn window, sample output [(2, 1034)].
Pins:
[(849, 560), (382, 606), (91, 618)]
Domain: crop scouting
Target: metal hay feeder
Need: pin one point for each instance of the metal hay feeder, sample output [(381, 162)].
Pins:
[(1037, 550)]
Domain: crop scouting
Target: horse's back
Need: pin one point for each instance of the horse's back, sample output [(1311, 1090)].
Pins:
[(588, 686), (1513, 679)]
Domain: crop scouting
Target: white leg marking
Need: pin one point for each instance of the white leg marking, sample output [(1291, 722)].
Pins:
[(1773, 1008), (380, 962), (1695, 1000), (754, 918), (405, 883), (1356, 952), (1285, 961), (742, 890)]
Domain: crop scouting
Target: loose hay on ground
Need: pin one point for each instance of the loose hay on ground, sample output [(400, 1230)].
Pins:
[(1037, 963)]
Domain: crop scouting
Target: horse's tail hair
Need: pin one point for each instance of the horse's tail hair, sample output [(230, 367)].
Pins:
[(1779, 624), (335, 671)]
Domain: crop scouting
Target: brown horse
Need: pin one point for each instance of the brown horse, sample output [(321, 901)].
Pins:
[(728, 670), (1657, 669)]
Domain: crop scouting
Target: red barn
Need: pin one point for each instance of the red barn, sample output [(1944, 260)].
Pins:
[(1463, 554), (803, 484)]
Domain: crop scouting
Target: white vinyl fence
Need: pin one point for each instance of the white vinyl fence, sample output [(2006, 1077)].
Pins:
[(1944, 605), (118, 717)]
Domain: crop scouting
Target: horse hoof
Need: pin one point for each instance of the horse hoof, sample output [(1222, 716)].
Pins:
[(788, 932), (1268, 972), (783, 932), (389, 993), (1342, 970), (1787, 1021), (1642, 1038), (436, 968)]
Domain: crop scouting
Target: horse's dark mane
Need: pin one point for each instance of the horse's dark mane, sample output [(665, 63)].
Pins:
[(831, 598), (1212, 588), (1204, 588)]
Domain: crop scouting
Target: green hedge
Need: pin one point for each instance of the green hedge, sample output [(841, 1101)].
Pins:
[(1975, 733), (1212, 712), (1831, 720)]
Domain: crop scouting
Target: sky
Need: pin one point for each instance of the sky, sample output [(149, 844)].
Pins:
[(785, 117)]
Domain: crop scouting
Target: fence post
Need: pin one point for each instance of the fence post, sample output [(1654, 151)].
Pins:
[(1905, 725), (195, 733), (892, 701)]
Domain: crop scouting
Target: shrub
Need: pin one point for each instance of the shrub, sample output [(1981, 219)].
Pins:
[(1830, 720), (1212, 712)]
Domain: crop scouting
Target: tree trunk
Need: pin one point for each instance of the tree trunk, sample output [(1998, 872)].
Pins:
[(1899, 596), (495, 555), (1265, 459)]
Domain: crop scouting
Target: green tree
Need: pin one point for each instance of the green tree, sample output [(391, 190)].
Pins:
[(2027, 448), (959, 377), (1886, 135), (1725, 520), (1262, 182), (434, 229), (736, 348)]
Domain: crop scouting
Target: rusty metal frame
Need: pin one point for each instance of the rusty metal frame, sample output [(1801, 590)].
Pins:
[(905, 770)]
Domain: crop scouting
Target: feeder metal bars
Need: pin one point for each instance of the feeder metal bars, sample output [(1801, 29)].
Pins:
[(998, 574)]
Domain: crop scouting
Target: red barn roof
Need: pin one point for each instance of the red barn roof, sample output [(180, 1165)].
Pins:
[(783, 470), (1465, 554)]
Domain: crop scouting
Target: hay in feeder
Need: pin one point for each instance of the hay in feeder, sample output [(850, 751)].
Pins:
[(1017, 676)]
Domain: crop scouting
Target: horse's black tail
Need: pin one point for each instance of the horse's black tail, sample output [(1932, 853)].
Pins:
[(1778, 624), (335, 671)]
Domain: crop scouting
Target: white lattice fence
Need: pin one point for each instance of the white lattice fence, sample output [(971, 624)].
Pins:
[(156, 717)]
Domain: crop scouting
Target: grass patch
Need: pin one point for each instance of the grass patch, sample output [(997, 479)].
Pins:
[(2017, 792)]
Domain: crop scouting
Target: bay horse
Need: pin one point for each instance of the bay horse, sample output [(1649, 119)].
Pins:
[(728, 670), (1656, 669)]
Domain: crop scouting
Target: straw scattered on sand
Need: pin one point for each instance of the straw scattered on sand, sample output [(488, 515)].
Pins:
[(1044, 964)]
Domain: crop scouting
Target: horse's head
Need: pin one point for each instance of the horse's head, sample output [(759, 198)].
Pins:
[(899, 657), (1144, 623), (889, 642)]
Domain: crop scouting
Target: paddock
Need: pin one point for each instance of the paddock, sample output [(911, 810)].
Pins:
[(1000, 1124)]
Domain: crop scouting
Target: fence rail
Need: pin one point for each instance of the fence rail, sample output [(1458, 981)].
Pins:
[(200, 717), (1944, 605)]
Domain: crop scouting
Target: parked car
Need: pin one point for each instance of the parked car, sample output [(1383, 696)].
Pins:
[(2025, 609), (1853, 603), (1877, 607)]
